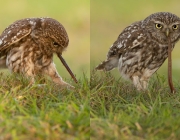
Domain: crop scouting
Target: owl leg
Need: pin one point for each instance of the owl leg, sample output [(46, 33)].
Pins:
[(144, 83), (145, 77), (3, 62), (52, 72), (29, 72), (136, 82)]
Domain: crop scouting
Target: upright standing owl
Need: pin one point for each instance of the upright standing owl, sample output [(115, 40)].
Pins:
[(142, 48), (27, 47)]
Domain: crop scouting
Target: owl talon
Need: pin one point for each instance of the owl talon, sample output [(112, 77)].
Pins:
[(70, 87), (65, 85)]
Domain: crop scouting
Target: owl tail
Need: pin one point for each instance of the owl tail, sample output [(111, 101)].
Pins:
[(108, 64)]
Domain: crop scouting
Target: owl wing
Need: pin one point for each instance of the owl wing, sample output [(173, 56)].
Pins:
[(14, 33), (131, 37)]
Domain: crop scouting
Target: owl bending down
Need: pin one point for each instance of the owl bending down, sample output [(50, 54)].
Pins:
[(27, 47), (142, 48)]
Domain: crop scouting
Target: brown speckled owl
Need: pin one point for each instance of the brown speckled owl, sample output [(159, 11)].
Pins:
[(142, 48), (27, 47)]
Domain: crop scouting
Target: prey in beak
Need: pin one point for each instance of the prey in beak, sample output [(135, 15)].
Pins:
[(67, 67), (167, 32), (169, 62)]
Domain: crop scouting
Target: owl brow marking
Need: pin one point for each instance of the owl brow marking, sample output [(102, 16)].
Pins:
[(158, 22)]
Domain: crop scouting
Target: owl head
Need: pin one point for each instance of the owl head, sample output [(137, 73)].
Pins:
[(161, 26), (56, 35)]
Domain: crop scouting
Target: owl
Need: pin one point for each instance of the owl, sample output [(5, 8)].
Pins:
[(27, 47), (142, 48)]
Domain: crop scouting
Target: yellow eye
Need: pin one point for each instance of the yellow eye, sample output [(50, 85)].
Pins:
[(158, 26), (175, 27)]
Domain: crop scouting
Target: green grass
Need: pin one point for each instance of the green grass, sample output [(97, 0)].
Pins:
[(119, 111), (43, 113)]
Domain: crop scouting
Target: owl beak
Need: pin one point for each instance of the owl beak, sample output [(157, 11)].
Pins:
[(167, 32), (67, 67)]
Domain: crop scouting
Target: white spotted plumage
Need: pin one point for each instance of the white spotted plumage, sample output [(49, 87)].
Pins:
[(141, 48), (27, 47)]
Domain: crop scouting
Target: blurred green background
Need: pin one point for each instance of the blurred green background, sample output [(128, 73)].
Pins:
[(74, 15), (109, 18)]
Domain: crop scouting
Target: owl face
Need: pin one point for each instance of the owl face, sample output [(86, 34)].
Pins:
[(161, 26)]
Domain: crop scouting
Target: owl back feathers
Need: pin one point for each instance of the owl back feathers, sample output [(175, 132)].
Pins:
[(14, 33), (131, 37), (35, 27)]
